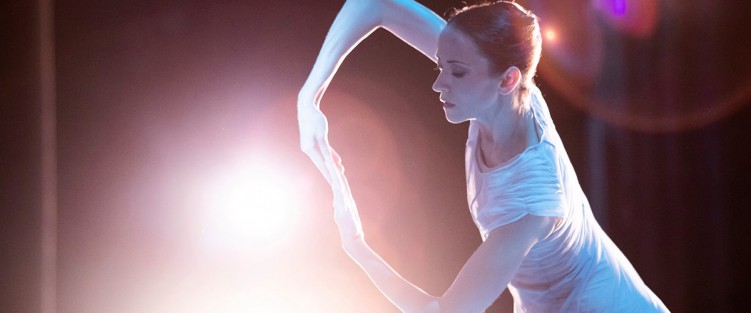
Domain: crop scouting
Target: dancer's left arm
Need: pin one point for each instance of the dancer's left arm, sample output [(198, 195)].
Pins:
[(481, 280)]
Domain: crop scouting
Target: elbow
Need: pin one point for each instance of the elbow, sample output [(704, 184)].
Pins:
[(389, 8), (371, 11)]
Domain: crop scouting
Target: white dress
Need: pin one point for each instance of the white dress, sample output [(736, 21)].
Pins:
[(575, 269)]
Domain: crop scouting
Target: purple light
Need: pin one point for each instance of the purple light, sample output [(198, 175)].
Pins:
[(619, 7)]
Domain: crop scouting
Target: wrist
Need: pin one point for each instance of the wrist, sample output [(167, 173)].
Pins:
[(307, 96)]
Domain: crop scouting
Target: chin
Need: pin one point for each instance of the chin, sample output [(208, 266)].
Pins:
[(454, 119)]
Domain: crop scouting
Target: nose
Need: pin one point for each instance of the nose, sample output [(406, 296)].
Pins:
[(438, 85)]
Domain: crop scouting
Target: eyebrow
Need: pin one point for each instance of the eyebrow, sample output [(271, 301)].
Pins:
[(456, 61), (452, 61)]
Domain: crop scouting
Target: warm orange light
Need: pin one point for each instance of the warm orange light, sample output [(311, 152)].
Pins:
[(551, 35)]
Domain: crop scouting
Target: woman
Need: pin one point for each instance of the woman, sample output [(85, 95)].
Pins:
[(539, 235)]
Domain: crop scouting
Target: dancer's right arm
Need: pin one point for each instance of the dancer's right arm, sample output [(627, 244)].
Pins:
[(407, 19)]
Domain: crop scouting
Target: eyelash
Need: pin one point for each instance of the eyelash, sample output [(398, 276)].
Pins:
[(457, 75)]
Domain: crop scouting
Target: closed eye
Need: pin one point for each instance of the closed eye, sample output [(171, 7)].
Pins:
[(455, 74)]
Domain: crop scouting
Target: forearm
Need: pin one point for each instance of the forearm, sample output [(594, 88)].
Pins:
[(480, 281), (406, 296), (352, 24)]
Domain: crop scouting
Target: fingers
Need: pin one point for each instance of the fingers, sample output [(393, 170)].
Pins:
[(345, 210), (336, 165), (340, 172), (337, 160), (331, 165), (320, 163), (316, 153), (327, 161), (314, 143)]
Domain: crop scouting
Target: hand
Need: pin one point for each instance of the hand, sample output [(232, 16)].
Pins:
[(314, 142), (345, 210), (313, 128)]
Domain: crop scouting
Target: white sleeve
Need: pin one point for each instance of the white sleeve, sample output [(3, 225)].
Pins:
[(532, 185)]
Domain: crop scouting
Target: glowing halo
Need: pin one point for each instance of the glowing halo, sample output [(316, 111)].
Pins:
[(576, 48), (573, 64), (250, 203), (606, 112)]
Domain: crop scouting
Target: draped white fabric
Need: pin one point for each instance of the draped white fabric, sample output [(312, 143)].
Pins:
[(575, 269), (528, 184)]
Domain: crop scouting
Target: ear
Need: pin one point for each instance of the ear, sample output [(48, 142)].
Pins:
[(510, 80)]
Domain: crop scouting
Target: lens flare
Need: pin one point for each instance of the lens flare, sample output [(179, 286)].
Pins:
[(637, 18), (619, 7)]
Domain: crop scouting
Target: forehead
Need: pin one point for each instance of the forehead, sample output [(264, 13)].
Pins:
[(454, 45)]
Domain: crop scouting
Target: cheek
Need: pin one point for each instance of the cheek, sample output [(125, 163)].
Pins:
[(472, 92), (485, 89), (464, 88)]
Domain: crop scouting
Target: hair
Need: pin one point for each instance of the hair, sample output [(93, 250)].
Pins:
[(507, 35)]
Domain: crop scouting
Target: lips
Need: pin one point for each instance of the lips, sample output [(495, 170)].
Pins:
[(448, 105)]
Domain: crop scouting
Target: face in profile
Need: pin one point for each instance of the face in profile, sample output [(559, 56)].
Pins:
[(466, 86)]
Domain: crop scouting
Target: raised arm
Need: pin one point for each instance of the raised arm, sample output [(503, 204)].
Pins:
[(481, 280), (408, 20)]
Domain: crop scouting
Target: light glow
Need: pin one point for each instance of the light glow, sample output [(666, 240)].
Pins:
[(253, 202), (228, 297), (619, 7), (551, 35)]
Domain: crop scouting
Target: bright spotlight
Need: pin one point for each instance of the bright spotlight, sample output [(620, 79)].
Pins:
[(252, 202), (551, 35)]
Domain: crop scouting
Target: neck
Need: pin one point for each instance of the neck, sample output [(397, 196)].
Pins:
[(507, 132)]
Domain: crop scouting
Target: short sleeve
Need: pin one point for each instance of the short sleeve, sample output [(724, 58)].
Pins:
[(531, 185)]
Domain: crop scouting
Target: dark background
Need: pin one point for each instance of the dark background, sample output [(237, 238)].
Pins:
[(152, 97)]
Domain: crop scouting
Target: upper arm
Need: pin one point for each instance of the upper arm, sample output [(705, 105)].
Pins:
[(493, 264)]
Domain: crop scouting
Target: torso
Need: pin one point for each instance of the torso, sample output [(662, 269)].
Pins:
[(575, 269)]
